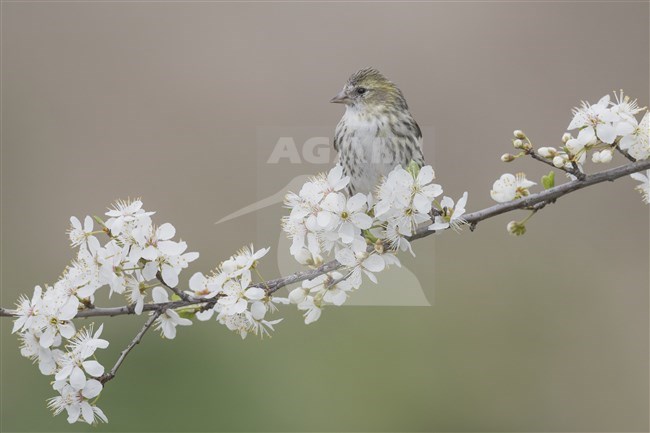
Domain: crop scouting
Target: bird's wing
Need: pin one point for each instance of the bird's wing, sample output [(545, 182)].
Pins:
[(418, 131), (337, 135), (335, 142)]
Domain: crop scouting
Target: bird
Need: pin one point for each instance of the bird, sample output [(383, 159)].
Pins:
[(377, 131)]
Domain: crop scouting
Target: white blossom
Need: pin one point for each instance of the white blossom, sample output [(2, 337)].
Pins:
[(397, 240), (299, 294), (337, 289), (74, 367), (58, 314), (75, 403), (153, 242), (113, 259), (510, 187), (347, 216), (206, 287), (79, 234), (644, 186), (31, 348), (169, 319), (424, 191), (27, 310), (595, 120), (368, 263), (244, 260), (394, 192), (74, 364), (86, 342), (238, 294), (123, 214), (262, 327), (312, 310), (625, 107), (170, 264), (578, 146), (636, 143), (451, 215), (84, 276), (136, 291)]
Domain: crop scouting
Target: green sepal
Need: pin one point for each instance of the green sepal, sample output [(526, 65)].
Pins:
[(175, 297), (369, 236), (99, 221)]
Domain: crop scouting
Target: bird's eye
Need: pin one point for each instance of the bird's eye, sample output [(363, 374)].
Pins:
[(361, 90)]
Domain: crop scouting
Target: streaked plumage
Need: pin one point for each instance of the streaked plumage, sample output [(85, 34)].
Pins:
[(377, 131)]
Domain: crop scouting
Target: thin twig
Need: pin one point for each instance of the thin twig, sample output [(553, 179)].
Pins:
[(336, 281), (533, 201), (7, 312), (86, 303), (537, 157), (625, 153), (136, 340), (177, 292), (576, 171)]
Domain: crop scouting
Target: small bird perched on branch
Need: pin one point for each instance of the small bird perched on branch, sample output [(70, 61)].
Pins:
[(377, 131)]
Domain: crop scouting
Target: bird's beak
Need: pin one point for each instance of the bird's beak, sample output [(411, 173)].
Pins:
[(341, 98)]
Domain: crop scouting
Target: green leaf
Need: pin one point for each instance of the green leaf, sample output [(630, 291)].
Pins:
[(549, 180), (175, 297), (186, 314)]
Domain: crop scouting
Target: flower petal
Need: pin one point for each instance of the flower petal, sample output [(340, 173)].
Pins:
[(159, 295), (606, 133), (165, 232), (374, 263), (93, 368), (92, 389), (77, 378)]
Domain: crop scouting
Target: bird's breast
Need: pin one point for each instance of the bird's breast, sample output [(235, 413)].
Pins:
[(368, 149)]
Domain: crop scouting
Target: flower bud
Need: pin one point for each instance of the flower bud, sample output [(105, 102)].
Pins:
[(519, 134), (559, 161), (574, 146), (595, 157), (516, 228), (518, 143), (566, 137), (507, 157), (547, 152), (606, 156)]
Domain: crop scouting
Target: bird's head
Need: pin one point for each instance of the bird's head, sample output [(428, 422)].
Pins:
[(368, 89)]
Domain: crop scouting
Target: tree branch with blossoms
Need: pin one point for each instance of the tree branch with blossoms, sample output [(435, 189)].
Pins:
[(341, 240)]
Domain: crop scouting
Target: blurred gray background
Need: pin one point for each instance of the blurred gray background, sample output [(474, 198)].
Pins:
[(165, 101)]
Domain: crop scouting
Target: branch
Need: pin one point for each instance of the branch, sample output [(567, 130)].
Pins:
[(533, 201), (177, 292), (136, 340), (573, 171), (625, 153)]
